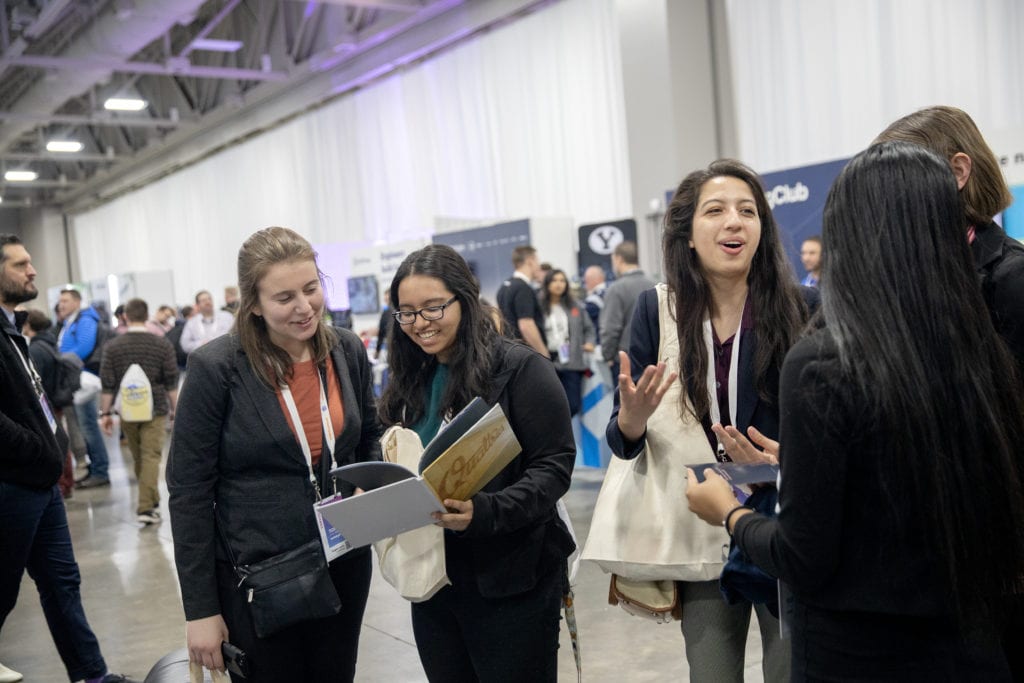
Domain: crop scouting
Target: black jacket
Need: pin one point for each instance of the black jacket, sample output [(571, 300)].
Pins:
[(515, 536), (999, 260), (31, 454), (232, 446)]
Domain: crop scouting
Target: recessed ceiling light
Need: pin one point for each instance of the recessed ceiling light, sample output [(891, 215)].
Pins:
[(124, 104), (20, 176), (217, 45), (63, 146)]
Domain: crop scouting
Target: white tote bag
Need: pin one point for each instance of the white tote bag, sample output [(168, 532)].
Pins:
[(412, 562), (642, 528)]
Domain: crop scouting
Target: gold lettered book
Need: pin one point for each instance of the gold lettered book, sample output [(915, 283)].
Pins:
[(476, 445)]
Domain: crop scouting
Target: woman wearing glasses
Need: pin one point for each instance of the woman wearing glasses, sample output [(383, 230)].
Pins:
[(250, 455), (505, 548)]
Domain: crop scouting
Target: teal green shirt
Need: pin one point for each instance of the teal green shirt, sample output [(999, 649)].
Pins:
[(430, 423)]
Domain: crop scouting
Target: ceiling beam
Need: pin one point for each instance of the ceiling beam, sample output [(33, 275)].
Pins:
[(394, 5), (95, 120), (6, 184), (71, 158), (173, 67)]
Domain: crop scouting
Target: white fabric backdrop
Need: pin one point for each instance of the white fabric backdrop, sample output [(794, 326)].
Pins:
[(818, 79), (527, 120)]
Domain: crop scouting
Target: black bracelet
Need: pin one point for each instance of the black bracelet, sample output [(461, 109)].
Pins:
[(728, 516)]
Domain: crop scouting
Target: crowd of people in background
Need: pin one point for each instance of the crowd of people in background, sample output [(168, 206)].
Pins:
[(887, 384)]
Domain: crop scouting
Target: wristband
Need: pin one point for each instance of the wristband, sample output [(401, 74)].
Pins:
[(728, 516), (108, 413)]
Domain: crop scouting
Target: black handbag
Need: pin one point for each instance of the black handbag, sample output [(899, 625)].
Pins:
[(288, 588)]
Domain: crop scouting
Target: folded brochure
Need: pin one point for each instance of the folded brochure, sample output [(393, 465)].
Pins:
[(473, 447)]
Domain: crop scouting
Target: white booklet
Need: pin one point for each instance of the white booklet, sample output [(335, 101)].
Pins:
[(476, 445), (396, 500)]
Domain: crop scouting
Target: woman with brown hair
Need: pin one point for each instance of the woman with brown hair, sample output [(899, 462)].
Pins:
[(264, 413)]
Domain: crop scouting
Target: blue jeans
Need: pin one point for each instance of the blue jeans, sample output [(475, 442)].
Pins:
[(34, 535), (88, 416)]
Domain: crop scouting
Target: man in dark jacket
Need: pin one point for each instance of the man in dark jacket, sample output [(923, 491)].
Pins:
[(33, 524)]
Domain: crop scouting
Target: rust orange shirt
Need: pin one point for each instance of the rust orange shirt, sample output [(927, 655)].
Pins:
[(305, 388)]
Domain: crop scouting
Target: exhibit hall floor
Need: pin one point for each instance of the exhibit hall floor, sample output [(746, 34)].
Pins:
[(131, 598)]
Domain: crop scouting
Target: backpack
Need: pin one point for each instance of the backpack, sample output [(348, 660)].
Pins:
[(136, 395), (104, 333), (69, 379)]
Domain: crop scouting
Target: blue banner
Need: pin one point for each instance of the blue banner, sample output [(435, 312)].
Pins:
[(797, 197), (488, 251)]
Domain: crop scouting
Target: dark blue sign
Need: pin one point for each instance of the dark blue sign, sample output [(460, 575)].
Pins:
[(797, 197), (488, 251), (598, 241)]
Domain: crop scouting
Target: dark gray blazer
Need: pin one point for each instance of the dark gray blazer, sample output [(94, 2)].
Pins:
[(232, 446)]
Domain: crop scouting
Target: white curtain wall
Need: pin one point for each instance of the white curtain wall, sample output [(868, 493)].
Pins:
[(526, 120), (818, 79)]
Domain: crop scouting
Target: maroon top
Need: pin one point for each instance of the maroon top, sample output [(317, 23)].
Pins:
[(722, 360)]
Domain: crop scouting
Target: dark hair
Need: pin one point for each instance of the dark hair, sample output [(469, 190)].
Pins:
[(200, 293), (411, 369), (186, 310), (948, 131), (264, 249), (6, 239), (136, 310), (813, 238), (627, 252), (545, 297), (37, 321), (902, 303), (778, 309), (521, 253), (74, 293)]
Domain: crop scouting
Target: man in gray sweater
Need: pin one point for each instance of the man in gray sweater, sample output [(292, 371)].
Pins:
[(619, 302)]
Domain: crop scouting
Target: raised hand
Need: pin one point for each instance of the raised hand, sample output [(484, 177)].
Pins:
[(638, 401)]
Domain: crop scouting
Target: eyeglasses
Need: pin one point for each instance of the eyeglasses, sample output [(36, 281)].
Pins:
[(428, 313)]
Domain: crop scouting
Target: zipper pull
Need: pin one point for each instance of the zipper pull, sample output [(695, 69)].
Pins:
[(250, 595)]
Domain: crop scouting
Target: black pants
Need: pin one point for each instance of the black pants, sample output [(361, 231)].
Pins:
[(572, 382), (463, 637), (318, 650)]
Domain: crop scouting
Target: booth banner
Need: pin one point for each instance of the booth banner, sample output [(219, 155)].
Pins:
[(488, 251), (797, 198), (598, 241)]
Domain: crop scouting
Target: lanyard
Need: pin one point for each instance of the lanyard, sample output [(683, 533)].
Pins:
[(300, 432), (734, 363), (30, 368)]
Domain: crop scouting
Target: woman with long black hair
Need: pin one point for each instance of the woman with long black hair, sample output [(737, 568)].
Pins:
[(505, 547), (569, 333), (722, 323), (900, 506)]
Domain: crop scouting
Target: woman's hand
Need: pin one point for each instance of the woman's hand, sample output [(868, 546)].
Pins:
[(204, 637), (637, 402), (711, 499), (588, 347), (741, 450), (458, 520)]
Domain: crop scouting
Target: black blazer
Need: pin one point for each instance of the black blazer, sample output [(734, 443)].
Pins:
[(515, 536), (232, 446), (751, 409)]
